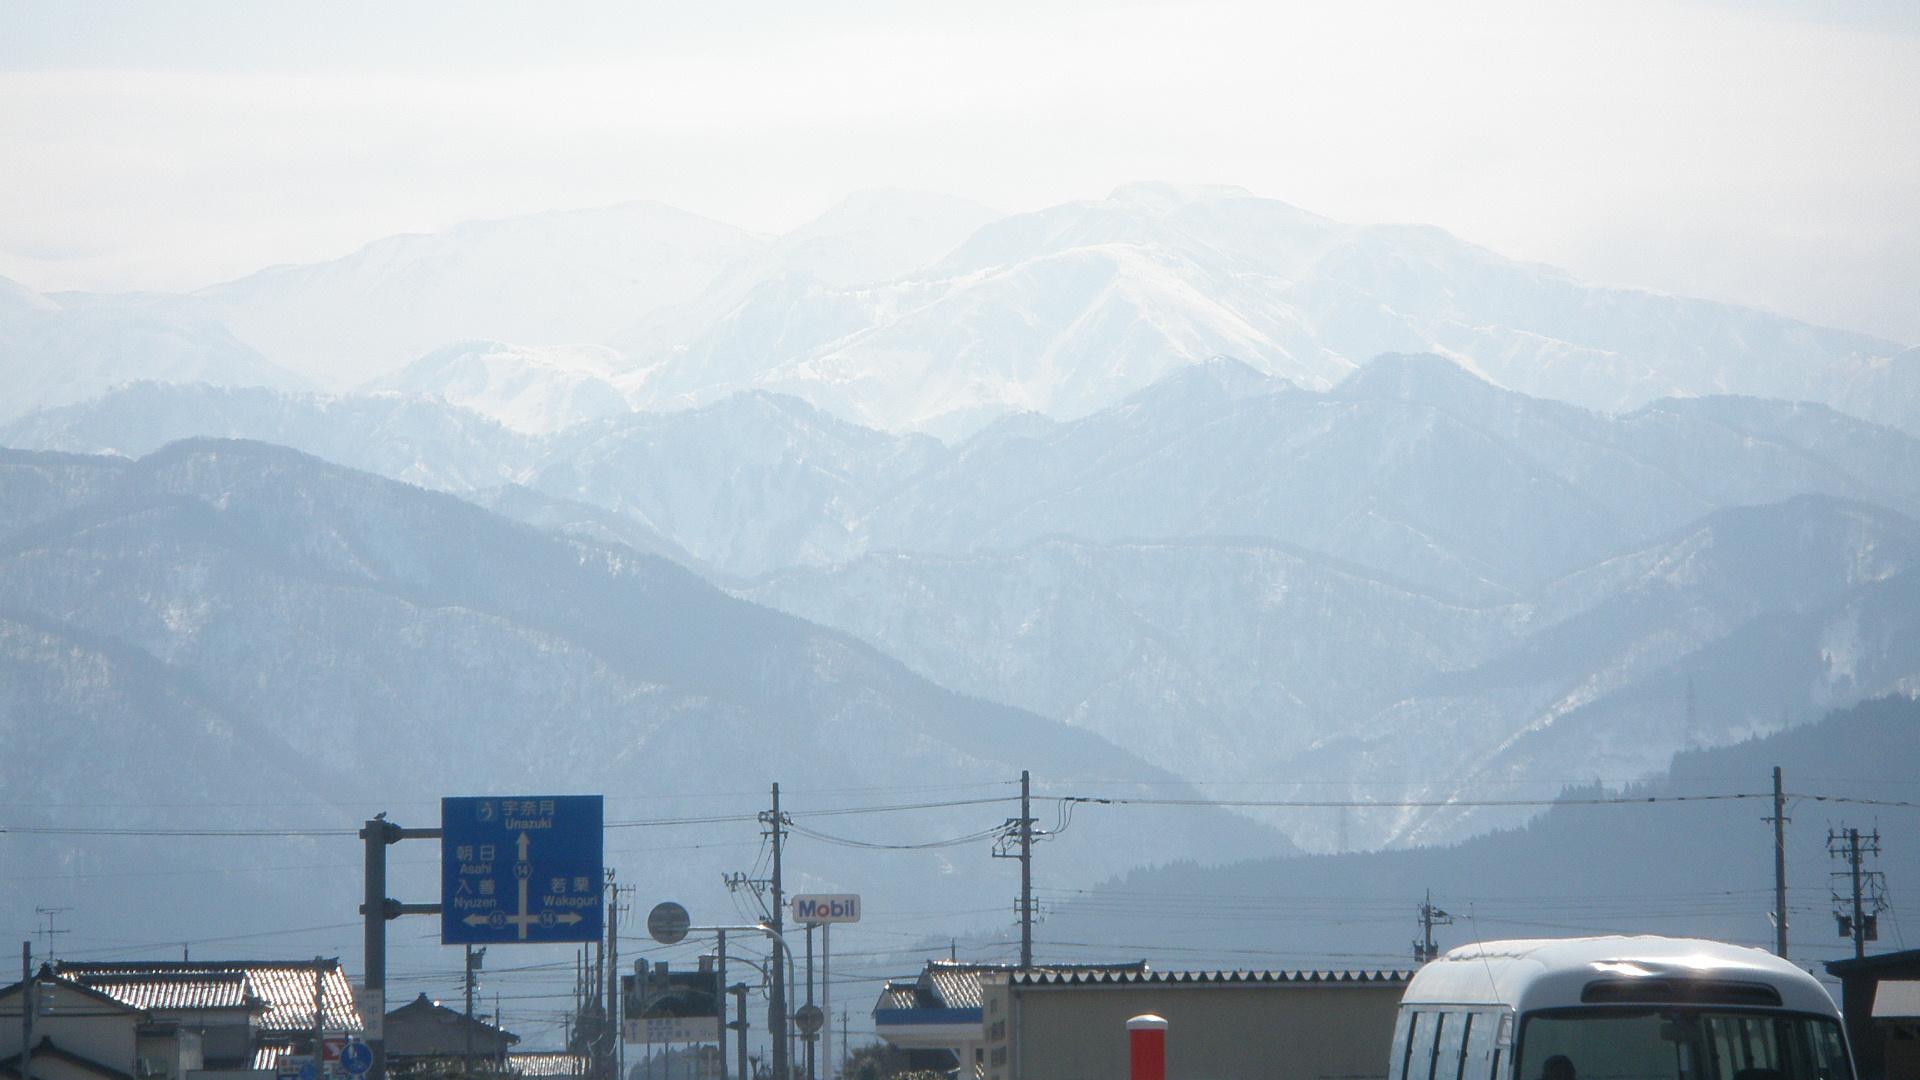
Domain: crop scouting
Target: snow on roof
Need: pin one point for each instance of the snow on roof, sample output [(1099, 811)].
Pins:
[(175, 990), (547, 1063), (286, 986), (1532, 973)]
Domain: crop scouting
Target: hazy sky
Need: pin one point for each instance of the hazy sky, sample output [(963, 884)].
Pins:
[(1761, 152)]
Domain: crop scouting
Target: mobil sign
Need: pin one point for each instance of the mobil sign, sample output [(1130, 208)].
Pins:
[(827, 908)]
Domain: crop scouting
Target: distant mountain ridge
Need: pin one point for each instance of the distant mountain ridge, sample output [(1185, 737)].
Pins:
[(1234, 575), (385, 641), (906, 311)]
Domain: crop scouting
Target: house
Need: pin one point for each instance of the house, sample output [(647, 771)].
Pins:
[(1222, 1025), (244, 1013), (1879, 998), (424, 1038), (939, 1013), (83, 1034)]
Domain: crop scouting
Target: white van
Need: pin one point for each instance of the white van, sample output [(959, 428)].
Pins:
[(1616, 1008)]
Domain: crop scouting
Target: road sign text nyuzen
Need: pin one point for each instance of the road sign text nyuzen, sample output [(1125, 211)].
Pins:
[(521, 869), (827, 908)]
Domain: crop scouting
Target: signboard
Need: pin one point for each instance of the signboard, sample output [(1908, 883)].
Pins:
[(372, 1006), (356, 1058), (826, 908), (664, 1006), (668, 923), (808, 1020), (521, 869), (670, 1029)]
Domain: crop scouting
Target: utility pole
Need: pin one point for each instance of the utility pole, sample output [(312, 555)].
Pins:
[(776, 824), (611, 956), (1779, 822), (810, 1039), (1862, 926), (474, 959), (319, 1014), (1026, 870), (1430, 916), (1018, 833)]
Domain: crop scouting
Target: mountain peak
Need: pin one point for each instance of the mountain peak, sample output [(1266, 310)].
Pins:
[(1424, 377), (1217, 378), (1161, 193)]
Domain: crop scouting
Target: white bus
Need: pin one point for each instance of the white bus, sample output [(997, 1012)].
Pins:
[(1616, 1008)]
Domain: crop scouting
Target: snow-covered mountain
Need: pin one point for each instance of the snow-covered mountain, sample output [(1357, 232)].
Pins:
[(1067, 310), (1246, 663), (541, 279), (421, 441), (533, 389), (746, 484), (358, 644), (69, 347)]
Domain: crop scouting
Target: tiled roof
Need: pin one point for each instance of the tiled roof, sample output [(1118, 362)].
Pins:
[(547, 1063), (266, 1054), (45, 1050), (174, 990), (899, 996), (1044, 977), (286, 986), (955, 985)]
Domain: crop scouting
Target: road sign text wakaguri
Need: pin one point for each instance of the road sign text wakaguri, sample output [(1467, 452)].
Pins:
[(521, 869)]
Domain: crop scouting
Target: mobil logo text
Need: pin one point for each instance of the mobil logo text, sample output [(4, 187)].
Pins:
[(828, 908)]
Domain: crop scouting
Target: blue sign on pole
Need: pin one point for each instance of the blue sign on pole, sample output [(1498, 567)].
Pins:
[(356, 1058), (522, 869)]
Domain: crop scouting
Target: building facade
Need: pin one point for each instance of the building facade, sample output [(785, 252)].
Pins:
[(1221, 1025)]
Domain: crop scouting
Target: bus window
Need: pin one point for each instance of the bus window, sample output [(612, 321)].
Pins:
[(1451, 1045), (1476, 1059), (1442, 1023), (1686, 1044), (1406, 1038)]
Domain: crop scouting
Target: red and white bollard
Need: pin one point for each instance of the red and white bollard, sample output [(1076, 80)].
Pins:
[(1147, 1048)]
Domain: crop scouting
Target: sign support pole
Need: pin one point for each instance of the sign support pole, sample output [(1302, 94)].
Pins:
[(826, 999), (378, 908)]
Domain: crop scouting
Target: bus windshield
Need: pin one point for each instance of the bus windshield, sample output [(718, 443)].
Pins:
[(1679, 1044)]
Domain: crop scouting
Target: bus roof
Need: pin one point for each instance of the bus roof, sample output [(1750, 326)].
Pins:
[(1547, 973)]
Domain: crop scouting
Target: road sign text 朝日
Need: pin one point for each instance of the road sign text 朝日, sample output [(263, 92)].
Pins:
[(521, 869)]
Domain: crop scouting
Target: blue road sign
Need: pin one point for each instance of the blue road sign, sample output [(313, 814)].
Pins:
[(521, 869), (356, 1057)]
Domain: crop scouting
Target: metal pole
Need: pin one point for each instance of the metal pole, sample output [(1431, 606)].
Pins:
[(374, 952), (26, 1010), (740, 1010), (811, 1074), (720, 998), (1779, 867), (826, 999)]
